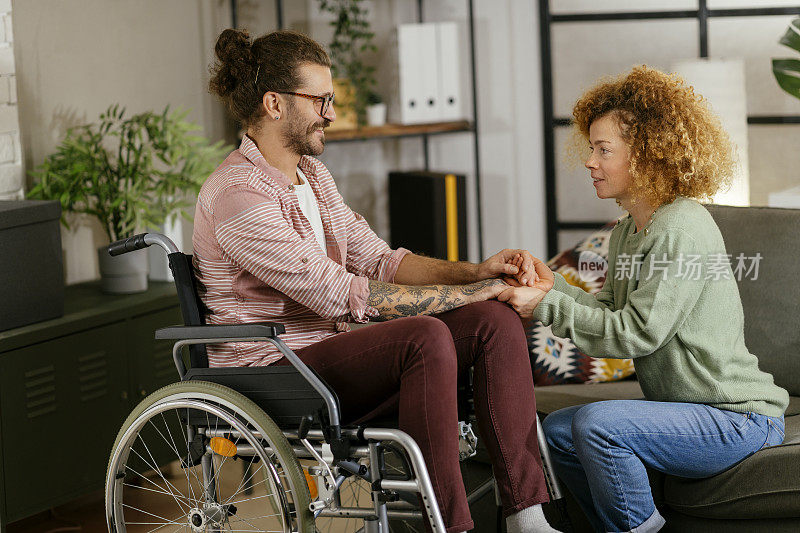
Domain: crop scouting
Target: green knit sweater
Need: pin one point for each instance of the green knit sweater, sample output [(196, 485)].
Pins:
[(681, 321)]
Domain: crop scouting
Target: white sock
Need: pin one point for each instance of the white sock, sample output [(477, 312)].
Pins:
[(529, 520)]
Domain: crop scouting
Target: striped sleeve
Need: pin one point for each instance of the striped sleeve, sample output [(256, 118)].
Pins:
[(367, 254), (253, 234)]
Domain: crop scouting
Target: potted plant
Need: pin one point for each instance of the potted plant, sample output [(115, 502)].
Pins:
[(351, 39), (787, 71), (787, 74), (131, 173), (376, 110)]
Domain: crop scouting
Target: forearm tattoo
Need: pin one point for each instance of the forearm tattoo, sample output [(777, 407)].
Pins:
[(396, 301), (476, 287)]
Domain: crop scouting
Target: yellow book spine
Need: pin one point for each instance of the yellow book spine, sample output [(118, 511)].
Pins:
[(451, 206)]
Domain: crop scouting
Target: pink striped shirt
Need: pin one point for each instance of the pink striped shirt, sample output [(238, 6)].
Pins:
[(256, 257)]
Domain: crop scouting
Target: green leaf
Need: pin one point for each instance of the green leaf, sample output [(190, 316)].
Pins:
[(792, 36), (787, 73)]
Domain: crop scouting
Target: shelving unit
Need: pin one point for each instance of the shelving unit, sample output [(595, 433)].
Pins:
[(396, 131), (551, 122), (423, 131)]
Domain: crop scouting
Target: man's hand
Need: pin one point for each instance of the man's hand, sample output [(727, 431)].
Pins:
[(517, 263), (487, 289), (524, 299)]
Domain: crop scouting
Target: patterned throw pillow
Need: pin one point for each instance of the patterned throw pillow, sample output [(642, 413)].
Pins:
[(556, 360)]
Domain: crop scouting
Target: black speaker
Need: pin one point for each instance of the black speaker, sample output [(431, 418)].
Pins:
[(428, 214)]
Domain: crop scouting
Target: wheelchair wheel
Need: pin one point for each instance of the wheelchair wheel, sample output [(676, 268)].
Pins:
[(234, 469)]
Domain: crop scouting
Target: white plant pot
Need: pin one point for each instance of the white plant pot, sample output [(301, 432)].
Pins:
[(123, 274), (376, 114)]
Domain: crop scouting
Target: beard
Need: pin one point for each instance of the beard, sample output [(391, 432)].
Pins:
[(300, 138)]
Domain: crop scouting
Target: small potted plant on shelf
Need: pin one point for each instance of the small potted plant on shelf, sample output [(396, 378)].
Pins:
[(353, 79), (376, 110), (131, 173)]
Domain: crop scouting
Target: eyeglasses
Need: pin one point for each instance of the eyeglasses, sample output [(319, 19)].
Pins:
[(325, 101)]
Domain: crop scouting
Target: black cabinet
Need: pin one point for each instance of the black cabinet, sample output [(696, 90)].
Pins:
[(66, 386)]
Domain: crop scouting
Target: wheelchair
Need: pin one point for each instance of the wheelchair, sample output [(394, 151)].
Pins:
[(261, 448)]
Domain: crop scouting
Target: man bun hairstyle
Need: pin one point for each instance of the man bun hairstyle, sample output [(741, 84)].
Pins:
[(245, 70)]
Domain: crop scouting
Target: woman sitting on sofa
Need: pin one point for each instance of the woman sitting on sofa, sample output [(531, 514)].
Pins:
[(670, 301)]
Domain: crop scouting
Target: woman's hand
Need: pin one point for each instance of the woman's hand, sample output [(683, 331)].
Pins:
[(542, 277), (513, 264), (525, 299)]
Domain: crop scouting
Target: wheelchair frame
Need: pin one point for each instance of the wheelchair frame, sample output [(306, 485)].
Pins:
[(336, 450)]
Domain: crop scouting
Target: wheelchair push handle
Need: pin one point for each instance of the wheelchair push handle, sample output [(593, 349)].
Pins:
[(140, 241), (130, 244)]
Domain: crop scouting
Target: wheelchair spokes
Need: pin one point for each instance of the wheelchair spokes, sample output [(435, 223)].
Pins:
[(168, 474)]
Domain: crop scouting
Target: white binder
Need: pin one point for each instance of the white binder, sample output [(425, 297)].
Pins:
[(450, 105), (419, 77)]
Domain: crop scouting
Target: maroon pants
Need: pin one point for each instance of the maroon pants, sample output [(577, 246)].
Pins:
[(415, 362)]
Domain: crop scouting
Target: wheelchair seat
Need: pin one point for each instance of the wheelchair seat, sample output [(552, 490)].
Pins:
[(279, 390)]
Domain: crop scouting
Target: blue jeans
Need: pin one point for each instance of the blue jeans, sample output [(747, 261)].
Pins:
[(600, 451)]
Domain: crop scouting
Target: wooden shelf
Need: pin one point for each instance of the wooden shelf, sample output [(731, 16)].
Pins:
[(390, 131)]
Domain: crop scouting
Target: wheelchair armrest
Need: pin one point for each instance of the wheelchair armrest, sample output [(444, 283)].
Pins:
[(251, 332), (221, 331)]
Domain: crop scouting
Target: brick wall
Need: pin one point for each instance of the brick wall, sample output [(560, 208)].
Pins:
[(12, 177)]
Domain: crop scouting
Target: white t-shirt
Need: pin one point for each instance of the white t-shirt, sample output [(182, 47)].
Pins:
[(310, 208)]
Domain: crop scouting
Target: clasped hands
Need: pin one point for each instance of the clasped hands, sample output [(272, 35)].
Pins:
[(527, 277)]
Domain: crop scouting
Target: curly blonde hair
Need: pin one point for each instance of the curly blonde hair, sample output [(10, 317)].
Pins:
[(677, 145)]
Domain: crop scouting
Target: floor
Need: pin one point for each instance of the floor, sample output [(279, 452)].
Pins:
[(87, 513)]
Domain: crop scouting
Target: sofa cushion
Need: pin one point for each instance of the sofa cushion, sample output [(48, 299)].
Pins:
[(681, 523), (769, 298), (765, 485), (557, 360), (554, 397)]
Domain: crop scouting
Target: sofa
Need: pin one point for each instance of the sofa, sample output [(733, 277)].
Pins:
[(762, 492)]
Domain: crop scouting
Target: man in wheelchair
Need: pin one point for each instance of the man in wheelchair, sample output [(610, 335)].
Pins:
[(274, 241)]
